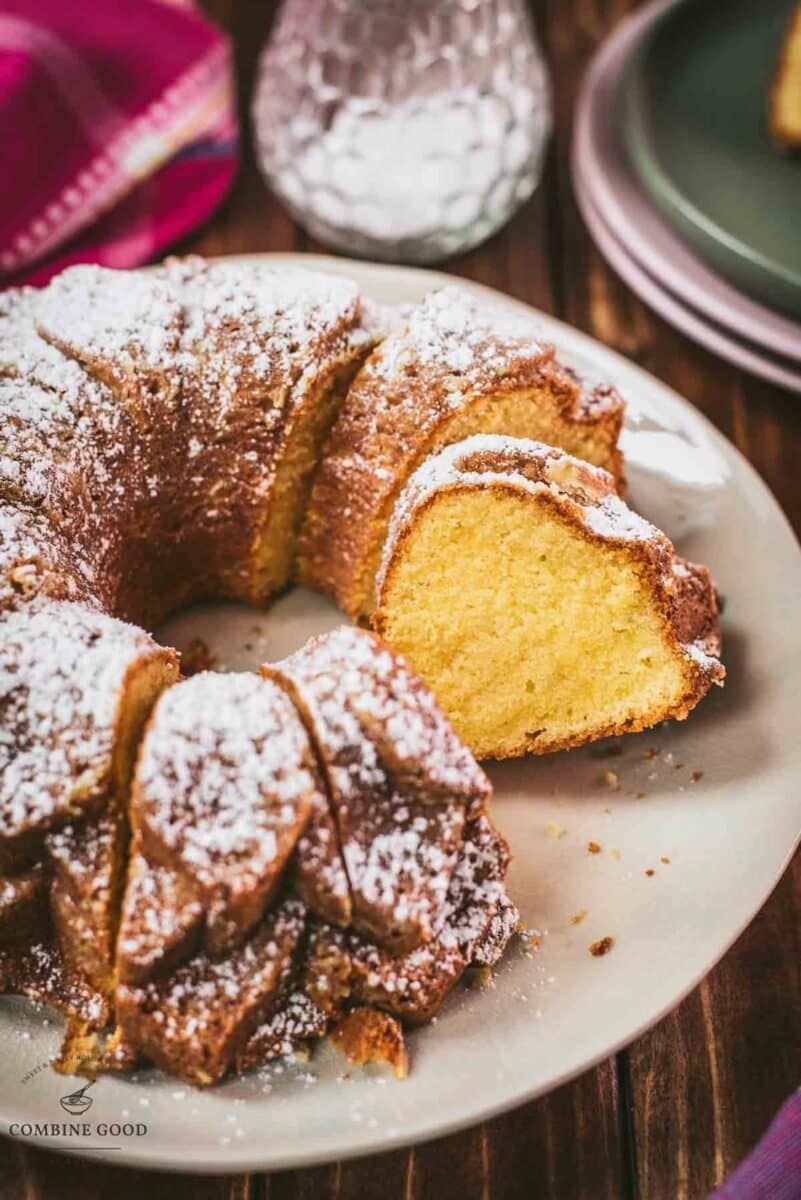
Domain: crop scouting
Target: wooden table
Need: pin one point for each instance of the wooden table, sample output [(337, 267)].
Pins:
[(670, 1116)]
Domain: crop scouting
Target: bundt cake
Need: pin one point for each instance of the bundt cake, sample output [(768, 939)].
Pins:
[(219, 957), (457, 367), (539, 608), (306, 851)]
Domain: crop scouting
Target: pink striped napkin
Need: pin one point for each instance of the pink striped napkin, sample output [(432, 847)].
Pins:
[(117, 130)]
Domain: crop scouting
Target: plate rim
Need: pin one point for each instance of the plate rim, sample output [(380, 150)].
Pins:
[(365, 1144), (740, 314), (668, 306)]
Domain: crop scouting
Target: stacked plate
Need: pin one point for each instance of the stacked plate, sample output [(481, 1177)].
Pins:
[(680, 185)]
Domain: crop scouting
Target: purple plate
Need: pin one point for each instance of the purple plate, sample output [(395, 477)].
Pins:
[(668, 306), (643, 234)]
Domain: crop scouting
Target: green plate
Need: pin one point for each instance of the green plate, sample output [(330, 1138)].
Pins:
[(693, 116)]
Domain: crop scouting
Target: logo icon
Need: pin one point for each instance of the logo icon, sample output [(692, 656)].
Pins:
[(77, 1102)]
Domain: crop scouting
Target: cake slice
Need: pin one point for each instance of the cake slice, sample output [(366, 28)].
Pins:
[(226, 783), (475, 928), (87, 861), (319, 875), (399, 782), (369, 1035), (458, 367), (75, 689), (262, 912), (162, 922), (784, 105), (292, 1029), (541, 611)]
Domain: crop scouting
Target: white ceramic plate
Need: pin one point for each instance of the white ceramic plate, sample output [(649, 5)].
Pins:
[(660, 257), (551, 1014)]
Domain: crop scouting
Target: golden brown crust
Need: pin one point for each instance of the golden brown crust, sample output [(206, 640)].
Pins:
[(194, 1021), (292, 1030), (191, 388), (343, 968), (77, 711), (228, 820), (225, 785), (415, 394)]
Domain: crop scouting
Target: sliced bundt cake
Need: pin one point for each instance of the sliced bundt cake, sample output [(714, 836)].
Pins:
[(457, 367), (309, 848), (476, 923), (541, 611)]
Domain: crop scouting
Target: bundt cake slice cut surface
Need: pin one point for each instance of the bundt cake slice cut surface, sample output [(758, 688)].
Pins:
[(399, 781), (458, 367), (541, 611)]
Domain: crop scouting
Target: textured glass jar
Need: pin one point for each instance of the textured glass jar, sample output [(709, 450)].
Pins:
[(406, 130)]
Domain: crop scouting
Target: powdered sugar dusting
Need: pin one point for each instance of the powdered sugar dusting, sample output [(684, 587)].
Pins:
[(467, 338), (159, 916), (61, 675), (209, 327), (35, 560), (225, 778), (193, 1021), (129, 317), (476, 922), (369, 697), (297, 1022), (486, 460), (398, 779), (163, 401), (146, 401)]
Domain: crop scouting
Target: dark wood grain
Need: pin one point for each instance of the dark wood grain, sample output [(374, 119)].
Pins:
[(671, 1116), (28, 1174)]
